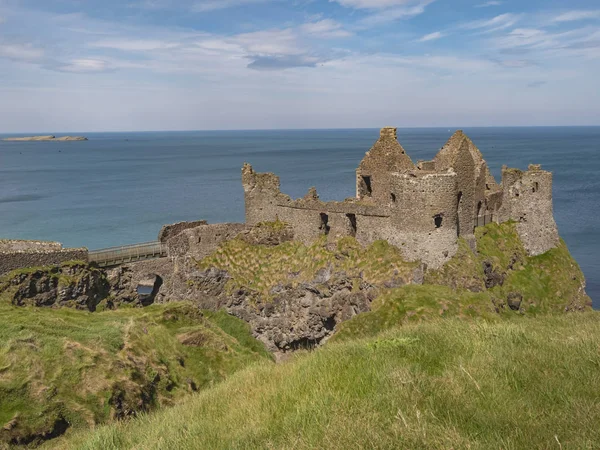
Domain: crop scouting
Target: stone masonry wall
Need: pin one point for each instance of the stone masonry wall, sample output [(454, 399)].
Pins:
[(19, 260), (427, 232), (202, 240), (169, 231), (528, 201)]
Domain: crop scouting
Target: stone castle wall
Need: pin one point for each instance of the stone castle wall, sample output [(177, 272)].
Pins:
[(169, 231), (202, 240), (528, 201), (21, 254), (427, 233)]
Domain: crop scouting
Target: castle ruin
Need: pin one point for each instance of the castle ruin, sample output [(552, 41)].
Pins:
[(420, 208)]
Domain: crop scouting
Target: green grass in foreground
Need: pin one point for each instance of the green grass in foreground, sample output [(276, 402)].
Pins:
[(62, 366), (528, 383)]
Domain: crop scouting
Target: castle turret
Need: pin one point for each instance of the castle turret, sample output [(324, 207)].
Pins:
[(527, 200), (425, 219)]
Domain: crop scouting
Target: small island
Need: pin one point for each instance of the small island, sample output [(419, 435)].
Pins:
[(47, 138)]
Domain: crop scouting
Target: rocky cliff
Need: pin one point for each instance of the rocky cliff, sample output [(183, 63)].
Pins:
[(296, 296)]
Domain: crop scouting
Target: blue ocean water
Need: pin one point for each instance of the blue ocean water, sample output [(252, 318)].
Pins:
[(120, 188)]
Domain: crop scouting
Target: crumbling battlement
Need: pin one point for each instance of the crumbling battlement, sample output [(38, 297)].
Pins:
[(422, 209)]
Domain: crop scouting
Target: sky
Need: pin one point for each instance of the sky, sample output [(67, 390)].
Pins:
[(126, 65)]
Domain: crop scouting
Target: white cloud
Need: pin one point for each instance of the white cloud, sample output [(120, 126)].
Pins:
[(270, 42), (396, 13), (576, 15), (373, 4), (488, 4), (21, 52), (496, 23), (84, 66), (325, 28), (134, 44), (539, 39), (192, 5), (432, 36)]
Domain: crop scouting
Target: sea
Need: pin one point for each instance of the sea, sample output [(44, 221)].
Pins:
[(120, 188)]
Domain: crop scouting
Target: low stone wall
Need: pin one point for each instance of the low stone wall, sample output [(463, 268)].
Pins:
[(201, 241), (16, 245), (43, 257), (169, 231)]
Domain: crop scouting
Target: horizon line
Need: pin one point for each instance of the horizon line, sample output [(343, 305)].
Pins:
[(45, 133)]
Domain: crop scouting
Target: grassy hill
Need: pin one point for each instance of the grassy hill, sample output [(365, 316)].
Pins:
[(521, 383), (482, 355), (66, 368)]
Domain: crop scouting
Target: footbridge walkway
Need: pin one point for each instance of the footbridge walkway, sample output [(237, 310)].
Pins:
[(115, 256)]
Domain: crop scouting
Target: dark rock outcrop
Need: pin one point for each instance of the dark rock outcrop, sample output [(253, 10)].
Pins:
[(293, 317), (74, 285)]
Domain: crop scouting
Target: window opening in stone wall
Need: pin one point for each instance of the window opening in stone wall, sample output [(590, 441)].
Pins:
[(536, 186), (479, 209), (324, 224), (352, 220), (367, 190), (393, 197), (437, 219)]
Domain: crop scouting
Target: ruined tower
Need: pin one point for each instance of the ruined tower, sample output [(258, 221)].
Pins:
[(527, 200)]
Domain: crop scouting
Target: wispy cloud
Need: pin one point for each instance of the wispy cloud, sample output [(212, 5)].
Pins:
[(199, 6), (326, 28), (432, 36), (26, 52), (134, 44), (271, 49), (496, 23), (382, 14), (83, 66), (577, 15), (213, 5), (488, 4), (374, 4)]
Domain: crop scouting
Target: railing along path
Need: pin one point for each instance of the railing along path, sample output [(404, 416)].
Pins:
[(114, 256)]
